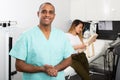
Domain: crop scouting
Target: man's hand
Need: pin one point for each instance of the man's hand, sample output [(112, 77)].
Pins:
[(50, 70)]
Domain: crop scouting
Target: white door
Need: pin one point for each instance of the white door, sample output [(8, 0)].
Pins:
[(3, 55)]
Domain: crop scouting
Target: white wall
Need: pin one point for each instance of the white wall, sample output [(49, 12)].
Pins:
[(25, 13)]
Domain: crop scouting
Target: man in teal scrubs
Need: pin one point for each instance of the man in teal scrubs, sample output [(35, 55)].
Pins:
[(42, 52)]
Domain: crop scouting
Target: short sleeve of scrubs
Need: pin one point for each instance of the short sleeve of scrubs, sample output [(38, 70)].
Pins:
[(19, 50)]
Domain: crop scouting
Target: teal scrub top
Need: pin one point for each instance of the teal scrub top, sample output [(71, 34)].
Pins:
[(33, 47)]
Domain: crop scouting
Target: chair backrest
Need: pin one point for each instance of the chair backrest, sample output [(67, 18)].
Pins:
[(117, 69), (117, 77)]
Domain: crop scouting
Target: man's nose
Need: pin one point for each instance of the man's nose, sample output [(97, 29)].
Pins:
[(48, 13)]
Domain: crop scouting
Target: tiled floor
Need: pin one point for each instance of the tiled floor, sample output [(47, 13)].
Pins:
[(96, 75), (76, 77), (99, 77), (93, 77)]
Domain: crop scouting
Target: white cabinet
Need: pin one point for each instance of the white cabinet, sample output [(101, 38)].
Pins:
[(77, 10), (115, 10), (95, 9)]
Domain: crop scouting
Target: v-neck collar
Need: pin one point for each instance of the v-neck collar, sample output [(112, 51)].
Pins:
[(44, 35)]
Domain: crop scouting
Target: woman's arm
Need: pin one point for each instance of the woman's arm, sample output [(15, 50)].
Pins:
[(81, 46)]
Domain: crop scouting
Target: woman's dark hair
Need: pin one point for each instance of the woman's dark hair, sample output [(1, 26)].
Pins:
[(77, 22), (74, 24)]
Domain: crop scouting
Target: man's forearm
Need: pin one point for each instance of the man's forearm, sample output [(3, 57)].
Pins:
[(65, 63), (28, 68), (23, 67)]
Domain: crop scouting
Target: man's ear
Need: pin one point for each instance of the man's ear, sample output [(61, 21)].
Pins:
[(54, 15), (38, 13)]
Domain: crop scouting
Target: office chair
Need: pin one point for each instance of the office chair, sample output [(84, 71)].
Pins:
[(116, 62)]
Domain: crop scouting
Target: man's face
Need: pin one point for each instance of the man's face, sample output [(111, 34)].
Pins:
[(46, 14)]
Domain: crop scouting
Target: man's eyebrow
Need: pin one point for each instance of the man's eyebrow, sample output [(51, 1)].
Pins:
[(46, 10)]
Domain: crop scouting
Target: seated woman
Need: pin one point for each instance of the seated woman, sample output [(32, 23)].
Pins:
[(79, 59)]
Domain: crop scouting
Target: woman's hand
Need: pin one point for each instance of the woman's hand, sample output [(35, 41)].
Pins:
[(82, 46)]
